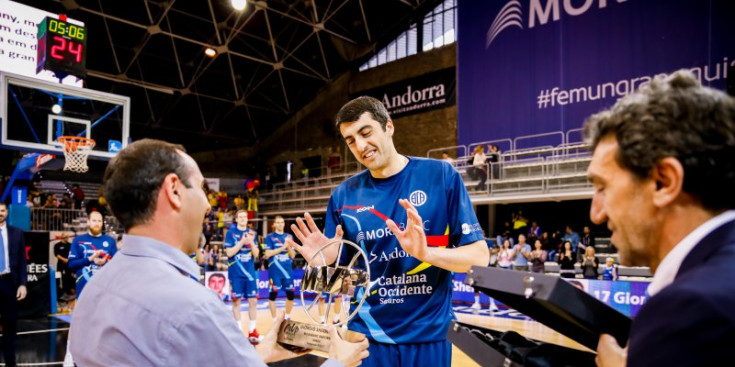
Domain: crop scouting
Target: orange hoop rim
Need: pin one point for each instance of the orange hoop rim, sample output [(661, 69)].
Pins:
[(72, 142)]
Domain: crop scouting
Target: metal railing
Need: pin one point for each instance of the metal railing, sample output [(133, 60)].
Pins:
[(72, 220)]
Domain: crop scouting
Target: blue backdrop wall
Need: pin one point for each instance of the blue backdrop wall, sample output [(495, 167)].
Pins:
[(536, 66)]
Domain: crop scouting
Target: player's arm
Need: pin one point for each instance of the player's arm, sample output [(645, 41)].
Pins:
[(413, 241), (254, 247), (77, 259), (271, 252), (236, 247)]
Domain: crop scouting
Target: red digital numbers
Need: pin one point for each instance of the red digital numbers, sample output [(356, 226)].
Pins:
[(61, 47), (58, 49)]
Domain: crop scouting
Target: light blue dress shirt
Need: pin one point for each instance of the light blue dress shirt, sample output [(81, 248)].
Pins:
[(146, 308)]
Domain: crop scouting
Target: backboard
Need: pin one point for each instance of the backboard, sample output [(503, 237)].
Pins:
[(35, 113)]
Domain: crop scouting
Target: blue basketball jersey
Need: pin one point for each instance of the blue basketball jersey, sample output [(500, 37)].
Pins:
[(409, 301), (241, 265), (82, 247), (278, 265)]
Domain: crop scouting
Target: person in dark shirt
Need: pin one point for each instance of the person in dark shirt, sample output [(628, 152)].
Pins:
[(61, 251)]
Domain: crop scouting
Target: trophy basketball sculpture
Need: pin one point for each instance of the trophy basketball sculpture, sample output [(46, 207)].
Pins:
[(350, 280)]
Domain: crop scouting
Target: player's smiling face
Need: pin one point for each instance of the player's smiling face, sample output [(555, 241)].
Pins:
[(369, 143)]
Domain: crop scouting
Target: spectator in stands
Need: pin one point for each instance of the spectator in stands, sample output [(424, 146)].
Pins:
[(520, 223), (572, 237), (239, 202), (545, 241), (222, 199), (505, 256), (610, 270), (590, 264), (253, 196), (212, 198), (78, 196), (478, 171), (493, 160), (535, 231), (587, 240), (522, 253), (567, 259), (447, 158), (220, 222), (538, 257), (663, 175)]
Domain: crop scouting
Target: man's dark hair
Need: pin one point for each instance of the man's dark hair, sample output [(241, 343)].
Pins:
[(216, 275), (133, 178), (675, 117), (353, 109)]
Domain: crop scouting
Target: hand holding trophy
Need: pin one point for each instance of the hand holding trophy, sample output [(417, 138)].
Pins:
[(322, 276)]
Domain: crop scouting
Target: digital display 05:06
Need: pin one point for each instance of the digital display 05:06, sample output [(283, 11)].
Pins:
[(62, 47)]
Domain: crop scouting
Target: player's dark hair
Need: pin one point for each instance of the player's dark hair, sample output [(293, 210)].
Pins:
[(353, 109), (133, 178), (675, 117)]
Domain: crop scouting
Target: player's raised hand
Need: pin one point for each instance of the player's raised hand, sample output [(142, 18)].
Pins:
[(413, 238), (312, 239)]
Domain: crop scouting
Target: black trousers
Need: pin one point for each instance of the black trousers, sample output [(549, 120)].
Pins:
[(9, 312)]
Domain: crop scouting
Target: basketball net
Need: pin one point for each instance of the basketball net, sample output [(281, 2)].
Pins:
[(76, 151)]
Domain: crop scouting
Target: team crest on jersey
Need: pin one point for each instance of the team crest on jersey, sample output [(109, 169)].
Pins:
[(105, 244), (417, 198)]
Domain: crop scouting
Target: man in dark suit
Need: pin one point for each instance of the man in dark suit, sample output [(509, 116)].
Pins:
[(663, 170), (12, 282)]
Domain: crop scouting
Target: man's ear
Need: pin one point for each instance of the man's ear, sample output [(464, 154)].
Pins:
[(668, 176), (171, 190), (389, 128)]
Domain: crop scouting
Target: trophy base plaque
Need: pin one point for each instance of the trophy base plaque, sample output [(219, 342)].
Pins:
[(301, 335)]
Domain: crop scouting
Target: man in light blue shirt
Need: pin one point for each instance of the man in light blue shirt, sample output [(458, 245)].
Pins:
[(146, 307), (523, 253)]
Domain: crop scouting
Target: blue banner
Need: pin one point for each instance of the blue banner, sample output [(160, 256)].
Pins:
[(536, 66), (626, 297)]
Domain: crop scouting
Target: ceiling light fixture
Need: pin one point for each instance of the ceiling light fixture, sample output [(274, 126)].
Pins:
[(238, 4), (56, 109), (210, 52)]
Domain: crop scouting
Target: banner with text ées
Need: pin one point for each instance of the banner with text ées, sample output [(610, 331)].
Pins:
[(529, 67), (416, 95)]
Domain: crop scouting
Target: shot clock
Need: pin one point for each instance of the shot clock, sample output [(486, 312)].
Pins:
[(62, 47)]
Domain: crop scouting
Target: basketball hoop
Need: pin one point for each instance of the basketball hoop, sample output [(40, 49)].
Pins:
[(76, 151)]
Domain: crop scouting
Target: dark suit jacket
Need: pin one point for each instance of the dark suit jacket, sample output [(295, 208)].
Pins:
[(692, 321), (17, 255)]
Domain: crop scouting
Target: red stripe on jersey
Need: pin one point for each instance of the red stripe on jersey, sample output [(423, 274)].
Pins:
[(437, 241)]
